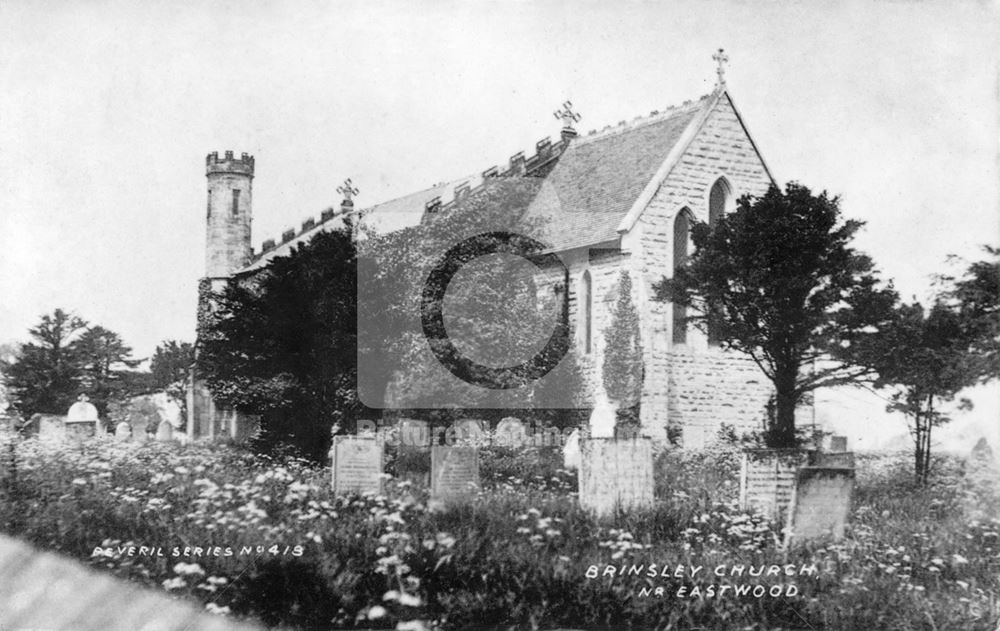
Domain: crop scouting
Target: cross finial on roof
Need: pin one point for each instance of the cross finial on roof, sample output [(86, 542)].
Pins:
[(83, 397), (348, 190), (567, 115), (720, 58)]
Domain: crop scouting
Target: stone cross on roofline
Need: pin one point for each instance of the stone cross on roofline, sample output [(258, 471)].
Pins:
[(348, 190), (720, 59), (567, 115)]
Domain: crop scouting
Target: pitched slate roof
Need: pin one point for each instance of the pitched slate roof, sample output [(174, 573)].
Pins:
[(598, 178), (590, 183)]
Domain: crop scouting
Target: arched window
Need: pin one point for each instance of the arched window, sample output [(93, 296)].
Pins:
[(682, 224), (585, 307), (718, 200)]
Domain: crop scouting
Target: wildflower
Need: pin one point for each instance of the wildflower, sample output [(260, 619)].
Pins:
[(174, 583), (79, 482), (376, 612), (408, 600), (959, 559), (188, 568), (213, 608)]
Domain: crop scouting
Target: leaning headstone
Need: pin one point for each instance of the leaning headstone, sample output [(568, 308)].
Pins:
[(454, 473), (165, 431), (821, 503), (356, 464), (767, 480), (123, 431), (510, 432), (615, 473)]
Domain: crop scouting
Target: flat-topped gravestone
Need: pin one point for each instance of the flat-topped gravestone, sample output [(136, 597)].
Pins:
[(510, 432), (821, 504), (838, 444), (357, 463), (615, 473), (165, 431), (767, 480), (454, 473), (842, 460), (51, 427)]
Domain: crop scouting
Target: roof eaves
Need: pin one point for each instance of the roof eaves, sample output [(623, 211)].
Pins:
[(669, 163)]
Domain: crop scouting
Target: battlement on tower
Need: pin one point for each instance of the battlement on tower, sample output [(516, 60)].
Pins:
[(229, 164)]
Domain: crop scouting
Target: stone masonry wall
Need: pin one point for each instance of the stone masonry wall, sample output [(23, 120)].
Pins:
[(695, 387)]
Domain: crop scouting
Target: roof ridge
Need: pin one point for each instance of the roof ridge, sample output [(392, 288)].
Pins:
[(656, 116)]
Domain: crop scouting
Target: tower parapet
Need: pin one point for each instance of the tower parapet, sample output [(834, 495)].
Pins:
[(229, 164)]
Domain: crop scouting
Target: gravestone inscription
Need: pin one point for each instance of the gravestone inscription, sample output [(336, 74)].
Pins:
[(615, 473), (454, 473), (356, 465), (821, 503)]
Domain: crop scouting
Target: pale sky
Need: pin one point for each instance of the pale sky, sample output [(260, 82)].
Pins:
[(107, 110)]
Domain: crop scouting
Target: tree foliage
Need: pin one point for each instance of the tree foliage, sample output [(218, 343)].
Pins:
[(67, 356), (623, 366), (780, 282), (976, 296), (282, 344)]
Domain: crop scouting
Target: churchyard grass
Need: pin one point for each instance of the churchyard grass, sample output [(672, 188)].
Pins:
[(518, 555)]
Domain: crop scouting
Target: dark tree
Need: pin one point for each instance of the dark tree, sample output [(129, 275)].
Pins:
[(623, 367), (976, 295), (924, 356), (105, 361), (169, 368), (45, 377), (780, 282), (282, 344)]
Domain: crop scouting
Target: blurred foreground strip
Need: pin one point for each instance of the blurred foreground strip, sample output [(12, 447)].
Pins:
[(47, 592)]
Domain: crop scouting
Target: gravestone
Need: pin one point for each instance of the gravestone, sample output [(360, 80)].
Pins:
[(454, 473), (123, 431), (838, 444), (615, 473), (767, 480), (571, 451), (841, 460), (821, 503), (603, 418), (82, 420), (51, 427), (356, 464), (510, 432), (165, 431), (981, 451), (466, 430)]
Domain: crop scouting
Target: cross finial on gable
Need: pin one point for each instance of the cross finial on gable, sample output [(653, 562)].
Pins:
[(720, 58), (348, 190), (567, 115)]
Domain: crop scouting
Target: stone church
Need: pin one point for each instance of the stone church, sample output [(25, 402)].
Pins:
[(633, 190)]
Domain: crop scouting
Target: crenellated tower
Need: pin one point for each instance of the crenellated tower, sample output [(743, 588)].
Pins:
[(230, 204)]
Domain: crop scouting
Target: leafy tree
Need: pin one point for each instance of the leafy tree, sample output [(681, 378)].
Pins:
[(924, 356), (45, 377), (623, 368), (780, 282), (976, 295), (170, 366), (283, 344)]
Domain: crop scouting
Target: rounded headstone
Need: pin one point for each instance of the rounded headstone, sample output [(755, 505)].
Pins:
[(571, 451), (602, 419), (123, 431), (83, 411), (165, 431)]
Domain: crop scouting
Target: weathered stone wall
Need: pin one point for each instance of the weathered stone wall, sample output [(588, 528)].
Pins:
[(694, 386)]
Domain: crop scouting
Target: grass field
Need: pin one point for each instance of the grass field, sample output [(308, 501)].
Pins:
[(259, 537)]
